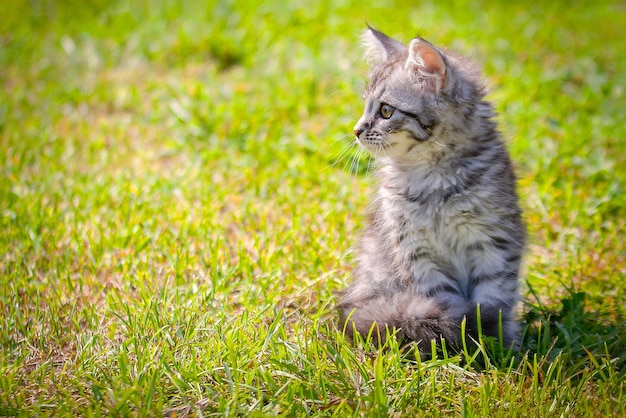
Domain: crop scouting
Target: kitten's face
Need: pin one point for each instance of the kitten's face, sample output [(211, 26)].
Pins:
[(401, 100), (393, 124)]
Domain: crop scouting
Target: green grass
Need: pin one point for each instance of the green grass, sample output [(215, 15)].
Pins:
[(177, 209)]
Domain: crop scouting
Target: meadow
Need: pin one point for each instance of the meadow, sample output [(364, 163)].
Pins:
[(179, 202)]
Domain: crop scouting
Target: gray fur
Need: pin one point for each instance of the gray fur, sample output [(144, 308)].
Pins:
[(445, 231)]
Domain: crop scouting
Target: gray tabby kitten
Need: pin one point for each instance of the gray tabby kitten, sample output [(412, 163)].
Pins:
[(445, 232)]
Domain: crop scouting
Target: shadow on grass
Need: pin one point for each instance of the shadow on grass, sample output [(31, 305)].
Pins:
[(571, 339), (580, 338)]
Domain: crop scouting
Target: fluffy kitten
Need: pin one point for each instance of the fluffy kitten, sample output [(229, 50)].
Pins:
[(445, 232)]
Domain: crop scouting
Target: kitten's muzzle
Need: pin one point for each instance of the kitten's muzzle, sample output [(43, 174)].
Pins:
[(361, 126)]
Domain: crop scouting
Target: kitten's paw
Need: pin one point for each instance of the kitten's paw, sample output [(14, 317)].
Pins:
[(425, 330)]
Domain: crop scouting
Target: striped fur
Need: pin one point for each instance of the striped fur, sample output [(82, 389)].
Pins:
[(445, 232)]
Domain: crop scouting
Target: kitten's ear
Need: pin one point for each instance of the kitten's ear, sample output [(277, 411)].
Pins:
[(379, 47), (425, 59)]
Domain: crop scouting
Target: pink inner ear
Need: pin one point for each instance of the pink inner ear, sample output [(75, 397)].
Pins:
[(433, 62), (427, 58)]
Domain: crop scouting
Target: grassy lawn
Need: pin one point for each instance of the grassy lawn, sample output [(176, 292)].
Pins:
[(179, 203)]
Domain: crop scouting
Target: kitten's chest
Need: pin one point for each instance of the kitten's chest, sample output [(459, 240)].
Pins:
[(427, 210), (413, 223), (438, 226)]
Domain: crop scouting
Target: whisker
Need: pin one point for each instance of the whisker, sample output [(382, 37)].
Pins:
[(337, 92), (384, 146), (361, 152), (345, 153), (360, 155), (370, 158), (354, 162)]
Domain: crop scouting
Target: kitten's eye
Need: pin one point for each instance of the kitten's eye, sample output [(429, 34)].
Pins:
[(386, 111)]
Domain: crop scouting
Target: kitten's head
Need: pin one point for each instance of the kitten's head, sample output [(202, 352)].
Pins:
[(413, 93)]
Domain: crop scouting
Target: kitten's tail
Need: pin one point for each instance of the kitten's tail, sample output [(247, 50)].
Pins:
[(414, 317), (424, 319)]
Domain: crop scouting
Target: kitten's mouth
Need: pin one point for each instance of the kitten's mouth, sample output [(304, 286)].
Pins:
[(375, 142), (393, 144), (379, 146)]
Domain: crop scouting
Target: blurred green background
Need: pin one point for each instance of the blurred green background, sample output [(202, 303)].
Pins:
[(179, 198)]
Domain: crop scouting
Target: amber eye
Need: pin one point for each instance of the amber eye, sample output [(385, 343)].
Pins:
[(386, 111)]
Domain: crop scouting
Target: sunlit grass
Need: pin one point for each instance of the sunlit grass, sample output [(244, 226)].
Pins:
[(179, 200)]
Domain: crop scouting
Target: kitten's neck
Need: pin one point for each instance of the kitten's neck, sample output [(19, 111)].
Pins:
[(417, 183), (433, 168)]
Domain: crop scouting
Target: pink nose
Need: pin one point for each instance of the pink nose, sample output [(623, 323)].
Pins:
[(358, 132)]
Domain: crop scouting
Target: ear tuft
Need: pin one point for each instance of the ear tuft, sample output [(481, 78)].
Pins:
[(425, 59), (379, 47)]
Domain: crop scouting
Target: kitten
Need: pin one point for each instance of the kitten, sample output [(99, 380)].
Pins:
[(445, 233)]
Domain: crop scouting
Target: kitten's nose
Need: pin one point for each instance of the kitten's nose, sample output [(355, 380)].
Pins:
[(358, 131)]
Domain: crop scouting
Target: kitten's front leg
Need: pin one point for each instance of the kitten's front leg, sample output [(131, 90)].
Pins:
[(453, 306), (422, 306), (492, 318), (493, 282)]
